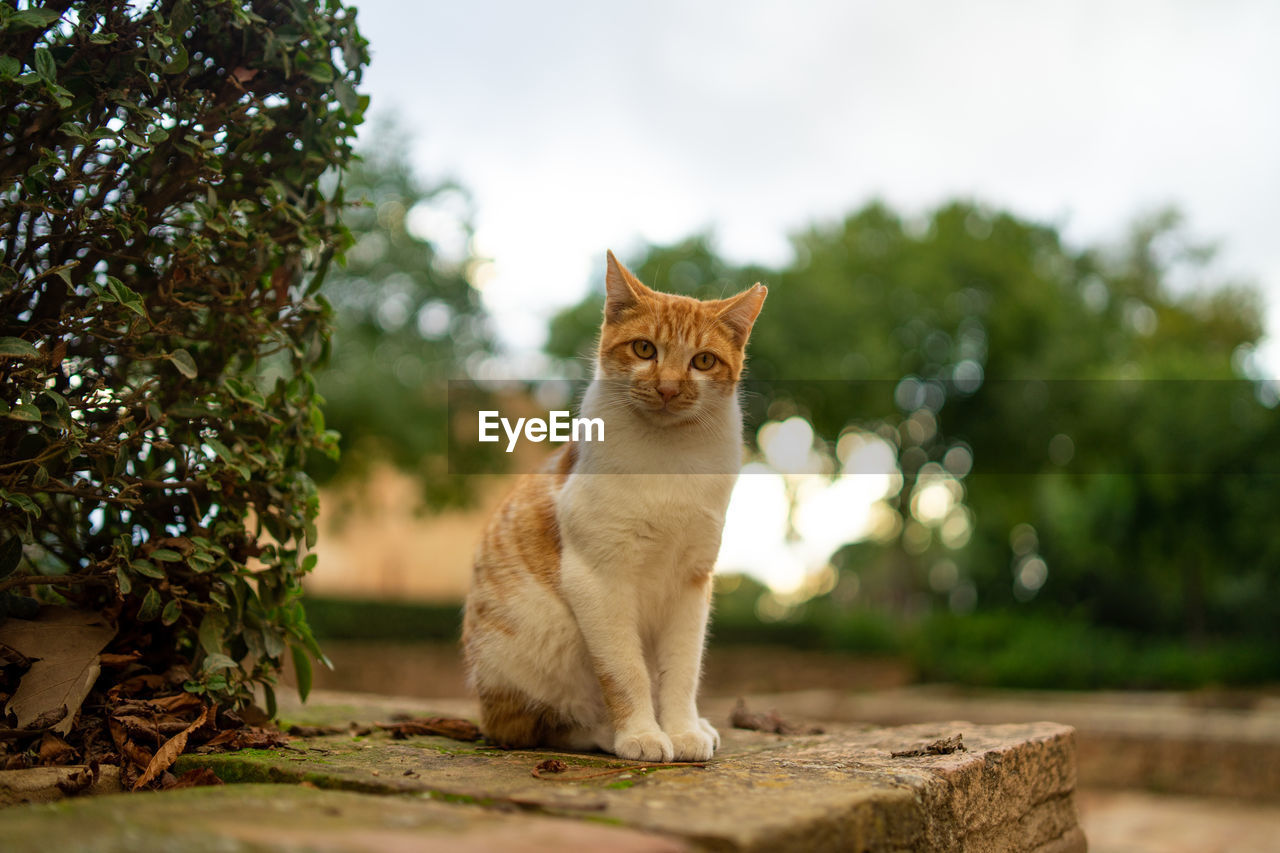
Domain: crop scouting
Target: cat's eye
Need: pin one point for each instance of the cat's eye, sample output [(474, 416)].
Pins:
[(644, 349), (704, 361)]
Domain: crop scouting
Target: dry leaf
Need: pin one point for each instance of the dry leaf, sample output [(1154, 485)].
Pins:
[(112, 661), (167, 754), (449, 727), (179, 703), (137, 684), (63, 645), (248, 737), (741, 718), (315, 731), (197, 778), (55, 750), (128, 750), (941, 746), (11, 657)]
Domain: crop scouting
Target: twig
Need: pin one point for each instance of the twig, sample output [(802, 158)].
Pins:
[(638, 768), (47, 580)]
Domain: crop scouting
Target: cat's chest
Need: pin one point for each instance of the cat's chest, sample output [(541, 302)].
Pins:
[(646, 510)]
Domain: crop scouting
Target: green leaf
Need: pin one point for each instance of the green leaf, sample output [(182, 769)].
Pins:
[(127, 297), (188, 410), (171, 613), (147, 569), (347, 97), (17, 348), (202, 562), (321, 72), (269, 693), (30, 19), (302, 667), (10, 555), (150, 608), (212, 628), (184, 362), (24, 503), (103, 38), (122, 578), (166, 555), (25, 412), (217, 661), (45, 66), (9, 68), (181, 17), (179, 62)]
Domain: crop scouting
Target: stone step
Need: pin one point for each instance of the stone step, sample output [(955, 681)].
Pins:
[(1163, 742), (237, 818), (1011, 789)]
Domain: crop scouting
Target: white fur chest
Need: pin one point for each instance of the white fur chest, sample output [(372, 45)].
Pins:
[(660, 492)]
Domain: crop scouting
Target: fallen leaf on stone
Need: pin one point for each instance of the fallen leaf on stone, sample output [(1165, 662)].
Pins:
[(197, 778), (75, 780), (167, 754), (249, 737), (741, 718), (316, 731), (553, 765), (450, 727), (941, 746), (63, 646)]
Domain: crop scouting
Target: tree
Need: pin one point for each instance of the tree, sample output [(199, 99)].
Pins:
[(1100, 443), (163, 240)]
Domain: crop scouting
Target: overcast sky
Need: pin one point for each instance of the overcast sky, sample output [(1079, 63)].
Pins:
[(584, 126)]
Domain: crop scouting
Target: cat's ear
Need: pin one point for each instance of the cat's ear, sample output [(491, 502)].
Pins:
[(622, 289), (739, 312)]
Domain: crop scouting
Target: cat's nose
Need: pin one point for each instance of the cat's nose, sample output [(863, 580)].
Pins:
[(667, 390)]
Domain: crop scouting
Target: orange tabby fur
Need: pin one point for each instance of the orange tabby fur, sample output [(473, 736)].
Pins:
[(541, 659)]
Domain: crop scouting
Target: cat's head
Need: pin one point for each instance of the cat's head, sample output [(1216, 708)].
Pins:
[(671, 356)]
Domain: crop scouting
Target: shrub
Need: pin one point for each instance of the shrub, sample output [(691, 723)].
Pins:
[(163, 242)]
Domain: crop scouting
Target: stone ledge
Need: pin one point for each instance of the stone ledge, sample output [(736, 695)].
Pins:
[(244, 818), (1011, 790), (1166, 742)]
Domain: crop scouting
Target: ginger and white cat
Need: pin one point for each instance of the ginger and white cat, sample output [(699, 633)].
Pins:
[(588, 609)]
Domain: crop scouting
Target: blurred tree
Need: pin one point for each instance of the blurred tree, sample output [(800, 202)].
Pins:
[(408, 319), (1094, 424)]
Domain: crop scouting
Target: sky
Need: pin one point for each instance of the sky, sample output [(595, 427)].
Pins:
[(578, 127)]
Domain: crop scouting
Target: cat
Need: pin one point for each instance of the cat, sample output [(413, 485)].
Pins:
[(586, 620)]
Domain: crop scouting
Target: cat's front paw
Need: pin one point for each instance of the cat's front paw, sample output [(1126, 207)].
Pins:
[(643, 746), (694, 745), (706, 726)]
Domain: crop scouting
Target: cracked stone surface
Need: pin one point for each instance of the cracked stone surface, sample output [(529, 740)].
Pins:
[(1012, 789), (258, 817), (1163, 742)]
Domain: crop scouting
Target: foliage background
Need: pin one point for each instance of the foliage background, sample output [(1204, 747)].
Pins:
[(164, 236)]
